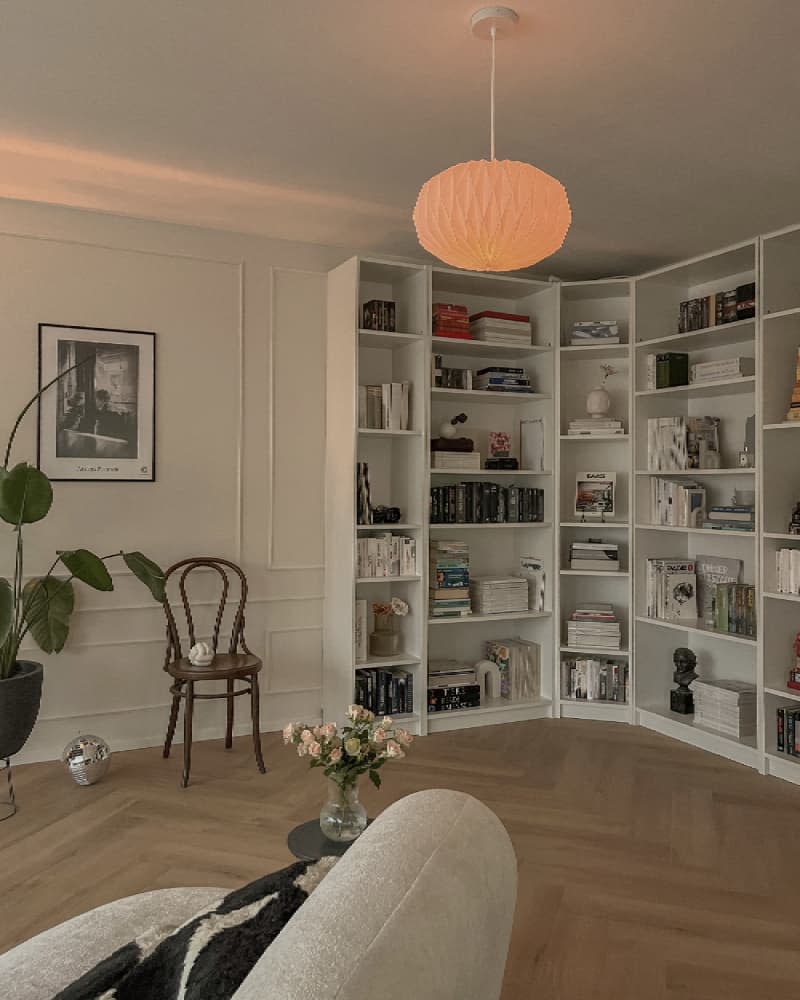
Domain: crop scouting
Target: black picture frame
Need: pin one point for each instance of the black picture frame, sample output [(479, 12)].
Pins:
[(91, 433)]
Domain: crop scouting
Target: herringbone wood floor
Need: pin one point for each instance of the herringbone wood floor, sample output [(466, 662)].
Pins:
[(648, 870)]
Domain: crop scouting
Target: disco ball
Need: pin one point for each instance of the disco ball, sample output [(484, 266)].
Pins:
[(87, 759)]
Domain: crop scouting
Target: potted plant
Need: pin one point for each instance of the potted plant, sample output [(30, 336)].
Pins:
[(41, 607), (363, 747)]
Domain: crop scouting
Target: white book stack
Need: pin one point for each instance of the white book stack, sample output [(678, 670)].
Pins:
[(586, 332), (593, 556), (727, 706), (501, 328), (594, 626), (492, 595), (726, 368), (386, 555), (457, 461), (591, 427), (384, 407), (787, 571)]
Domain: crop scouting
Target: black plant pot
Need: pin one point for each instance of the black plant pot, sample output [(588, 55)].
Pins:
[(20, 696)]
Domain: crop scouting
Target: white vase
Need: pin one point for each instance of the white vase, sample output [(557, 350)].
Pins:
[(598, 402)]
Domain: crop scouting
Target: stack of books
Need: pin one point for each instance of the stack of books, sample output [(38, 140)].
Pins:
[(385, 692), (486, 503), (594, 625), (671, 589), (594, 555), (726, 368), (794, 407), (677, 504), (384, 407), (787, 571), (452, 686), (676, 443), (451, 321), (588, 332), (497, 595), (500, 379), (723, 307), (386, 555), (449, 580), (501, 328), (728, 707), (378, 314), (787, 733), (519, 662), (595, 427), (457, 461), (594, 679), (741, 517)]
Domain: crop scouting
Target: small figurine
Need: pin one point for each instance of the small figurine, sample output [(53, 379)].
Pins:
[(448, 441), (201, 654), (682, 700)]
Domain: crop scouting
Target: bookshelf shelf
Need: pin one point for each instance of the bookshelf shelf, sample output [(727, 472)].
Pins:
[(594, 651), (387, 579), (514, 525), (795, 598), (781, 313), (369, 432), (488, 473), (751, 535), (581, 352), (696, 629), (400, 526), (786, 425), (791, 695), (387, 340), (492, 712), (487, 396), (620, 574), (710, 336), (694, 473), (481, 349), (595, 437), (781, 536), (684, 728), (596, 525), (400, 660), (509, 616), (704, 390)]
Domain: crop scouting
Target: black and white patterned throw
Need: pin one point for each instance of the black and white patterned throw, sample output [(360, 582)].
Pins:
[(209, 956)]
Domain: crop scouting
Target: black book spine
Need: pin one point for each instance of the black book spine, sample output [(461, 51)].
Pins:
[(780, 729), (461, 504), (451, 504)]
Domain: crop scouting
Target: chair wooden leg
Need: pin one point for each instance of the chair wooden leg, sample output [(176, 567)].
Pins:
[(173, 721), (229, 726), (188, 712), (255, 706)]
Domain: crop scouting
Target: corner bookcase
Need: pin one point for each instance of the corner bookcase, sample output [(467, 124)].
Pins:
[(646, 310)]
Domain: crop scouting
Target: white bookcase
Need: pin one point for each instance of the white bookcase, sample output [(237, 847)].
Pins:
[(646, 309)]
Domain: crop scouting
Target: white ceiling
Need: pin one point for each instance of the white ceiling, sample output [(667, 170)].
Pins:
[(674, 124)]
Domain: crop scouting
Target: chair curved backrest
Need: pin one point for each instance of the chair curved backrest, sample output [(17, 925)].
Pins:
[(225, 569)]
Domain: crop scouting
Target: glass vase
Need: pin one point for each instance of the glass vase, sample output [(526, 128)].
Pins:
[(385, 640), (342, 817)]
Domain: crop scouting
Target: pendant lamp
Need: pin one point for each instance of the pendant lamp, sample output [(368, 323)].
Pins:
[(492, 215)]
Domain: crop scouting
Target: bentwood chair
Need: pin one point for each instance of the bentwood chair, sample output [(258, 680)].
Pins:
[(237, 666)]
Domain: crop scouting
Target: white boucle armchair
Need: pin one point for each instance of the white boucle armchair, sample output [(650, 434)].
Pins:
[(421, 906)]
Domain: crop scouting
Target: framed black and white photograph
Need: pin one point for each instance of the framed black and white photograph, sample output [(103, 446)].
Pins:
[(98, 421), (595, 494)]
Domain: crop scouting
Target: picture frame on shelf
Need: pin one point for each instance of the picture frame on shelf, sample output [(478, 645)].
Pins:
[(595, 494), (97, 424)]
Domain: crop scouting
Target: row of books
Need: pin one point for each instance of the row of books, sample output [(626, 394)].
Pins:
[(787, 571), (384, 407), (726, 706), (448, 586), (379, 314), (735, 609), (488, 326), (386, 555), (486, 503), (594, 624), (385, 692), (595, 427), (793, 413), (725, 368), (677, 443), (589, 678), (722, 307), (586, 332), (707, 590), (787, 729), (671, 368), (593, 555), (452, 686), (671, 589), (677, 504)]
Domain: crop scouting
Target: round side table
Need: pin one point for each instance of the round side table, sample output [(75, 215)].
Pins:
[(308, 843)]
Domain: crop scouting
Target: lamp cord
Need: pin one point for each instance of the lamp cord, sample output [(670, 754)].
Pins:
[(491, 91)]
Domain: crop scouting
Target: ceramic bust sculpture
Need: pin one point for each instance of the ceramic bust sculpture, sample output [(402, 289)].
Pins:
[(598, 402), (681, 699)]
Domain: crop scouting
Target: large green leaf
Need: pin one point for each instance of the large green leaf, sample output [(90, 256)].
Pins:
[(6, 609), (48, 604), (25, 495), (145, 570), (88, 568)]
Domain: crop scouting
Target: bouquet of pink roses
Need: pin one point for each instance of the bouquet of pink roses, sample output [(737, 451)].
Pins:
[(363, 746)]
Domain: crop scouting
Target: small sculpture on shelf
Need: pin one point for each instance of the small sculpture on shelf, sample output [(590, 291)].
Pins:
[(681, 700), (363, 499), (448, 439), (201, 654), (385, 515), (598, 402), (794, 673)]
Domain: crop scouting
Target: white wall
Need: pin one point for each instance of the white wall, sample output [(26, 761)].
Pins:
[(240, 326)]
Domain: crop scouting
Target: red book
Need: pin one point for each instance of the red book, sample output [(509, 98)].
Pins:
[(443, 307), (491, 314), (793, 684), (453, 334)]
